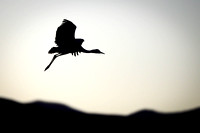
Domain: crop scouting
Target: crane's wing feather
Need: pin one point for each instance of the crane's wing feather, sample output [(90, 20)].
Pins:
[(65, 33)]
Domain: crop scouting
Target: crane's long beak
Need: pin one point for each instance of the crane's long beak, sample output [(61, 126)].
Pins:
[(101, 52)]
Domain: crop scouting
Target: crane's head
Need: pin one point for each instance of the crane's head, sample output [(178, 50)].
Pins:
[(97, 51)]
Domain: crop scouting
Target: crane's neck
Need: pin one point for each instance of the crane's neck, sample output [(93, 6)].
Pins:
[(90, 51)]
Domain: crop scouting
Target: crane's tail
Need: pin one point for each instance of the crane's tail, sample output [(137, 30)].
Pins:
[(53, 50)]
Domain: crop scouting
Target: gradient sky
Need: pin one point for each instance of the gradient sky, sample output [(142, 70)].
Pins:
[(152, 55)]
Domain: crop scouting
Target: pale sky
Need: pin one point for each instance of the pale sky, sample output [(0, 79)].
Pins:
[(151, 59)]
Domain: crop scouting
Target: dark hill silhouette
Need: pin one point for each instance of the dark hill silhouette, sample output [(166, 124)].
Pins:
[(53, 116)]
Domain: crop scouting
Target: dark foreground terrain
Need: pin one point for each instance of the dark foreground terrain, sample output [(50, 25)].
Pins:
[(42, 116)]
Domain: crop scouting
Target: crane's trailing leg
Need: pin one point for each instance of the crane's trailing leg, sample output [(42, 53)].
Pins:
[(54, 57)]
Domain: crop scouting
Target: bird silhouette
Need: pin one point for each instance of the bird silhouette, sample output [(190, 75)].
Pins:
[(67, 43)]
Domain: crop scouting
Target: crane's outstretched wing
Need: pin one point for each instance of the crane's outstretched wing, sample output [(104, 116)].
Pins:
[(65, 33)]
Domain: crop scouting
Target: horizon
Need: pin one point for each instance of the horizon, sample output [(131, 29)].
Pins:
[(56, 105)]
